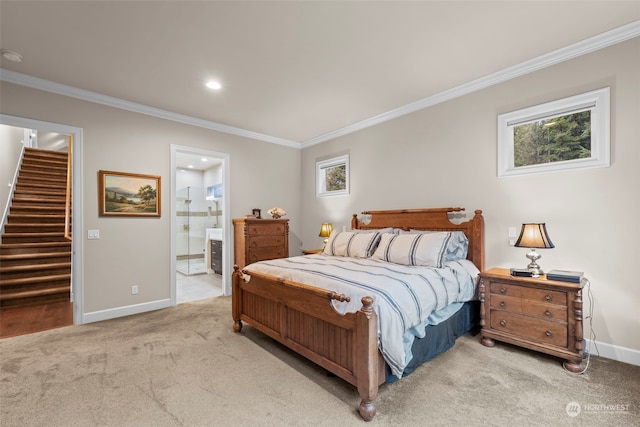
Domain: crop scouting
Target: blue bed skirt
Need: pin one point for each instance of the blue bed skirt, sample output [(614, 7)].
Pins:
[(441, 337)]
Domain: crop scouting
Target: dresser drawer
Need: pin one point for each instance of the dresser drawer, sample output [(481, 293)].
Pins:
[(261, 254), (536, 329), (263, 228), (265, 241)]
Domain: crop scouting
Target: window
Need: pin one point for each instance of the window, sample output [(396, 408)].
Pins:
[(571, 133), (332, 176)]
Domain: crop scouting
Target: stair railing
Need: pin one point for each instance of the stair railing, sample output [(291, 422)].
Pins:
[(67, 203), (12, 190)]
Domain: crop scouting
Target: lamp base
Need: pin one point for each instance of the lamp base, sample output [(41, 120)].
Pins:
[(533, 266)]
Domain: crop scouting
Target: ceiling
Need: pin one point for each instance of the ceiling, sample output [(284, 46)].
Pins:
[(291, 71)]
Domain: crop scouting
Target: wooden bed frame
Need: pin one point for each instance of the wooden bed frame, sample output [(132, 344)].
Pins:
[(302, 317)]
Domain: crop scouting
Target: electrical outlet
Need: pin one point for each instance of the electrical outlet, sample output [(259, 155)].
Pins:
[(134, 290)]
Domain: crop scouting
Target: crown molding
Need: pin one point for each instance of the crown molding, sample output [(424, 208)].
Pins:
[(592, 44), (110, 101)]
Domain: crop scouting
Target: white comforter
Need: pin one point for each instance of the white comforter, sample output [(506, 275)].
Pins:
[(405, 296)]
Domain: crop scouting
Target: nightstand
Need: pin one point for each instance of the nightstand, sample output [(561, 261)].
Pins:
[(311, 251), (535, 313)]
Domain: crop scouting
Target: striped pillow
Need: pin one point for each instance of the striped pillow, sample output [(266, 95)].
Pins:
[(425, 249), (350, 244)]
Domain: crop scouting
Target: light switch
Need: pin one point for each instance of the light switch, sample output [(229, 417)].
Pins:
[(513, 232), (93, 234)]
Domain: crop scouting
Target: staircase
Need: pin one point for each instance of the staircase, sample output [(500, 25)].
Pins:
[(35, 256)]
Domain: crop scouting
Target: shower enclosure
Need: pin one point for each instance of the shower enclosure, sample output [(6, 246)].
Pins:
[(193, 218)]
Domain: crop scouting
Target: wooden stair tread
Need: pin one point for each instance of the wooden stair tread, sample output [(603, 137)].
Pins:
[(9, 295), (30, 267), (35, 279)]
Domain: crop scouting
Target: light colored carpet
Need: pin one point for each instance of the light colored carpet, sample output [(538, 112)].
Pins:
[(185, 366)]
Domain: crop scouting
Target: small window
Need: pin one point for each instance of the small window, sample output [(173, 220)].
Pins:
[(571, 133), (332, 176)]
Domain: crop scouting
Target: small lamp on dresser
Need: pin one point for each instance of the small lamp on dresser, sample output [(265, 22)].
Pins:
[(534, 236), (325, 231)]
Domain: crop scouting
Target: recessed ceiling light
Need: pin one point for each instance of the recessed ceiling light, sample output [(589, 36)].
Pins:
[(190, 166), (11, 55), (204, 159), (214, 85)]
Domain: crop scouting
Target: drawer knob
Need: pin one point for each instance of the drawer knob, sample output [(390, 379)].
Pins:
[(503, 323), (503, 304), (547, 313), (548, 333), (547, 297), (503, 291)]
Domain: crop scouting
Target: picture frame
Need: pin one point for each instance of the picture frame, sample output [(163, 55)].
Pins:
[(257, 213), (122, 194), (566, 134)]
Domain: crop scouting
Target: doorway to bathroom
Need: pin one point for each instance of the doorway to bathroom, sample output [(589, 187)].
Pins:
[(199, 215)]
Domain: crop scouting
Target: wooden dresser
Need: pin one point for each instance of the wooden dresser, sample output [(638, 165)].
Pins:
[(260, 239), (535, 313)]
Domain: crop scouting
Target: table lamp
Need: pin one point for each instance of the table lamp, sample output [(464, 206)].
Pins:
[(534, 236), (325, 231)]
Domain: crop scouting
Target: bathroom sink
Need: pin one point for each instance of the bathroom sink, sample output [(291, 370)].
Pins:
[(214, 233)]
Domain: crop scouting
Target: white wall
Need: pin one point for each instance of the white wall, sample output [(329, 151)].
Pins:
[(445, 156), (137, 250), (11, 142)]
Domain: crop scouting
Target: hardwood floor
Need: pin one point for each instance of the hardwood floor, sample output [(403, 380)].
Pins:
[(16, 321)]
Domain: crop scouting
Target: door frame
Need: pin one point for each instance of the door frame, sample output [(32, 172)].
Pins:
[(77, 294), (226, 215)]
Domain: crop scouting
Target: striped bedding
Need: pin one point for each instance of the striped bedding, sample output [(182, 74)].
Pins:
[(407, 298)]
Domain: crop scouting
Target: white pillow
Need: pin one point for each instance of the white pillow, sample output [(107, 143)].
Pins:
[(350, 244), (425, 249), (457, 245)]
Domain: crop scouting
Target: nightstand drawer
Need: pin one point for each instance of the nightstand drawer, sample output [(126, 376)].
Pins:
[(523, 326), (505, 290), (545, 296), (506, 303), (545, 311)]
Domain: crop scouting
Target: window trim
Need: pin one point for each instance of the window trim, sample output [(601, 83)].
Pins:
[(596, 101), (322, 166)]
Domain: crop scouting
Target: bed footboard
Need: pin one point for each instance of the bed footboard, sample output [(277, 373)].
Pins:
[(302, 318)]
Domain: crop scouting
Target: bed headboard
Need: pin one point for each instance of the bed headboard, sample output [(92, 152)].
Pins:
[(436, 219)]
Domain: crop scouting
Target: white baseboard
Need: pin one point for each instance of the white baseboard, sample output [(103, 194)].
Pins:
[(610, 351), (98, 316)]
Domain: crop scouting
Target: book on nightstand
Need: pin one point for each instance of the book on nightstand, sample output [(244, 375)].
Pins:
[(520, 272), (565, 275)]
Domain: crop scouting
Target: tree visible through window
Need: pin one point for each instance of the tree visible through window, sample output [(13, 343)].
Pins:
[(566, 134), (332, 176), (336, 178), (554, 139)]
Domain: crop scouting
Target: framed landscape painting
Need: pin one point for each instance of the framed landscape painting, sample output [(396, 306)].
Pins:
[(128, 194)]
